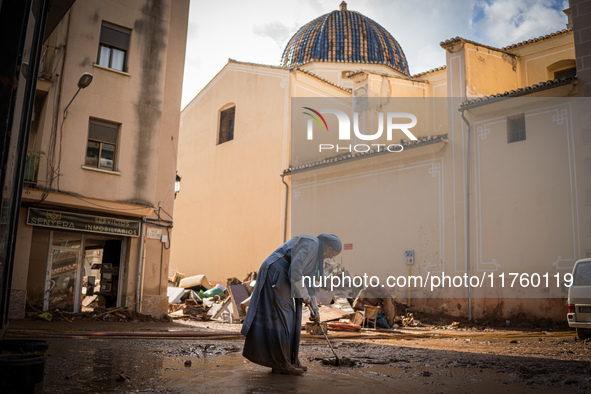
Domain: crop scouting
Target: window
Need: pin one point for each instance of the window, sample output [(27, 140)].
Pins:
[(565, 68), (568, 73), (226, 132), (582, 274), (102, 144), (515, 128), (114, 44)]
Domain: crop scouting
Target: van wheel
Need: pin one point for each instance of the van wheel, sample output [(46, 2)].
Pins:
[(583, 333)]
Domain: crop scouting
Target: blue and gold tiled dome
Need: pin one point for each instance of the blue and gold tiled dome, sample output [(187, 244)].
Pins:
[(344, 36)]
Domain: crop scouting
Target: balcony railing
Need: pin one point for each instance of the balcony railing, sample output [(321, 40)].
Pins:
[(47, 63), (32, 168)]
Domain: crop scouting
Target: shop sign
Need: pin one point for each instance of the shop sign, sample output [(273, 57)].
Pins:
[(77, 221), (61, 270)]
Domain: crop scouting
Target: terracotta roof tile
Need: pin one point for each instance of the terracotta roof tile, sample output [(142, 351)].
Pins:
[(538, 39), (518, 92), (454, 40), (433, 70), (348, 90), (360, 155)]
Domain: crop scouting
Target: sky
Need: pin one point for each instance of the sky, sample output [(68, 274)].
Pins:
[(258, 30)]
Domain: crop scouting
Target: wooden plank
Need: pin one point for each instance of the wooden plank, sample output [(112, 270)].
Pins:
[(226, 306), (343, 303), (327, 313), (238, 293), (88, 300)]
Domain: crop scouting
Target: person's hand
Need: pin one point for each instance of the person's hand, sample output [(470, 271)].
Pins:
[(314, 312), (306, 301), (314, 316)]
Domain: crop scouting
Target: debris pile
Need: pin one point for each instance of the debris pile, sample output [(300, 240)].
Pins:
[(409, 321), (122, 314), (196, 298)]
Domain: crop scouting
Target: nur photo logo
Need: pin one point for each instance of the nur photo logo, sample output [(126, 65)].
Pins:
[(391, 121)]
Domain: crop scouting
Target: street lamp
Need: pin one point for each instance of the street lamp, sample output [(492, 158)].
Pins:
[(177, 185), (83, 83)]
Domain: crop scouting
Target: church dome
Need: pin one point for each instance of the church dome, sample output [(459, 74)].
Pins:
[(344, 36)]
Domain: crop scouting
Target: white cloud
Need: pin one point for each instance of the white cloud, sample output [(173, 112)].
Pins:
[(276, 31), (507, 21)]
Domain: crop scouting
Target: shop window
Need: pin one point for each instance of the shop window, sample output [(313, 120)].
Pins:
[(102, 144), (516, 128), (226, 130), (113, 47)]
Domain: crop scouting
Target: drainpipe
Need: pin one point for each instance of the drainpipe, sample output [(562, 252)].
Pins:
[(140, 265), (468, 213), (286, 201)]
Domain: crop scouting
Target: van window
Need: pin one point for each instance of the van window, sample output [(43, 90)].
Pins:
[(582, 274)]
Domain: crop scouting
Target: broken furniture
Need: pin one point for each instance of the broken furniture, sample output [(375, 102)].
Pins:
[(197, 283), (238, 293), (370, 315)]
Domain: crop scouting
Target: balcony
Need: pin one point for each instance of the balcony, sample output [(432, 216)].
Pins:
[(47, 62), (32, 168)]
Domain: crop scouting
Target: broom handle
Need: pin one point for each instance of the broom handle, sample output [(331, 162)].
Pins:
[(329, 344)]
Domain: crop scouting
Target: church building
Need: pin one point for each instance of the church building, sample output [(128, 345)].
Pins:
[(490, 180)]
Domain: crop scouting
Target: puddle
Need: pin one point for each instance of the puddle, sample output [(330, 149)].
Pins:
[(161, 366), (343, 362)]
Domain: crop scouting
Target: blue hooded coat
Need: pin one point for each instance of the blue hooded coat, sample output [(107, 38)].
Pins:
[(273, 320)]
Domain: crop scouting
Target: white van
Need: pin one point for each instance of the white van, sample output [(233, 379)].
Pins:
[(579, 299)]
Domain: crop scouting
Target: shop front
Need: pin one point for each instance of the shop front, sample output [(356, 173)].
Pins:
[(77, 261)]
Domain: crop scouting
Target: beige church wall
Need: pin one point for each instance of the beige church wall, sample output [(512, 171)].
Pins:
[(535, 58), (367, 204), (527, 208), (368, 114), (455, 71), (305, 85), (437, 83), (525, 211), (398, 88), (337, 72), (376, 85), (431, 114), (229, 213), (489, 71), (514, 310)]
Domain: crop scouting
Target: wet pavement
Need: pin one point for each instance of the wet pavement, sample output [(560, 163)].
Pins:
[(139, 365)]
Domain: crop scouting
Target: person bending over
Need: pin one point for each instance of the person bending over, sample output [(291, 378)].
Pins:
[(274, 317)]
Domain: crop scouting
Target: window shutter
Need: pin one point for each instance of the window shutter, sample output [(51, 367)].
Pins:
[(115, 36), (515, 128), (227, 125), (103, 131)]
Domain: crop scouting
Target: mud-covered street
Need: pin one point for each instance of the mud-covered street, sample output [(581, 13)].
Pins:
[(184, 357)]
